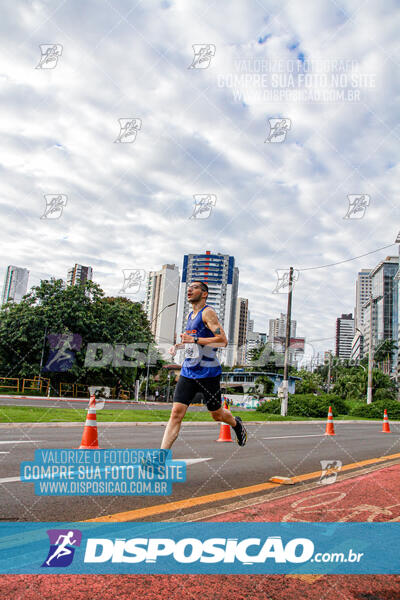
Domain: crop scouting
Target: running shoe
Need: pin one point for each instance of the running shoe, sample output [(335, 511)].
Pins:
[(241, 433)]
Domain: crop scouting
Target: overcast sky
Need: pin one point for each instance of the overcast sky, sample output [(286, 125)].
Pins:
[(203, 130)]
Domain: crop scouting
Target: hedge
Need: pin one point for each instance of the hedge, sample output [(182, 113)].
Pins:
[(307, 405), (375, 410)]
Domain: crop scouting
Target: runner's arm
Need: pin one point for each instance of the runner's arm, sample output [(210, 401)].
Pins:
[(211, 320)]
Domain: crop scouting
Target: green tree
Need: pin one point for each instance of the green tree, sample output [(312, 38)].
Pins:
[(54, 308), (310, 383), (353, 385), (266, 383)]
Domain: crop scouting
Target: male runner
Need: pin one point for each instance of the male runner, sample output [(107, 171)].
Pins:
[(201, 371)]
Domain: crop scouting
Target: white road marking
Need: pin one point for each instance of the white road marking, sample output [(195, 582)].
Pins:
[(192, 461), (9, 479), (4, 453), (21, 441), (285, 437)]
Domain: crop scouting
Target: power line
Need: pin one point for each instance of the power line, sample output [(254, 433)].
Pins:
[(347, 259)]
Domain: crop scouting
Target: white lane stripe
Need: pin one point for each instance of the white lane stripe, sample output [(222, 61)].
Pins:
[(21, 441), (188, 461), (4, 453), (193, 461), (285, 437)]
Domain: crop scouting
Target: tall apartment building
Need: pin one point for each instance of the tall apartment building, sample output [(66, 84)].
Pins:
[(240, 337), (277, 328), (363, 292), (79, 274), (162, 290), (277, 339), (385, 306), (218, 271), (344, 335), (15, 284)]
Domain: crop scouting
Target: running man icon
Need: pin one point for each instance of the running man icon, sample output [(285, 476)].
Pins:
[(61, 551)]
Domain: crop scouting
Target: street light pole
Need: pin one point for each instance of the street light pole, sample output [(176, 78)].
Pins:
[(329, 374), (148, 354), (42, 356), (370, 353), (285, 382), (169, 378)]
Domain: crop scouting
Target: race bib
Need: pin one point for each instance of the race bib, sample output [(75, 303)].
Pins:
[(192, 351)]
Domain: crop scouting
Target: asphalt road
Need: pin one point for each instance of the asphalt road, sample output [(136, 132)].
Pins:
[(272, 449)]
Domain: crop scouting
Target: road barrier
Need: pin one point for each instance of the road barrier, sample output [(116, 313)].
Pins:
[(13, 385), (386, 427), (42, 385), (330, 430)]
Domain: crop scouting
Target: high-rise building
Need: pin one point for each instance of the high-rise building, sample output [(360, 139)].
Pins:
[(240, 336), (385, 307), (277, 339), (344, 335), (254, 339), (15, 284), (363, 292), (162, 290), (79, 274), (277, 328), (218, 271)]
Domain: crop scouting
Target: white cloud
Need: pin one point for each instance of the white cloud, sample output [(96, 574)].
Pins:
[(129, 204)]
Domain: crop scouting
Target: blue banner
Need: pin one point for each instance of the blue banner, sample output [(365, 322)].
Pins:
[(114, 472), (209, 548)]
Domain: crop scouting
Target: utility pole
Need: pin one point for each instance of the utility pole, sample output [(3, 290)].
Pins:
[(328, 386), (285, 382), (370, 353)]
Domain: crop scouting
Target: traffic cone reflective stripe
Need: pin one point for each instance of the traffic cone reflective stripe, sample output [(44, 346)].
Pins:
[(225, 430), (329, 430), (386, 427), (89, 438)]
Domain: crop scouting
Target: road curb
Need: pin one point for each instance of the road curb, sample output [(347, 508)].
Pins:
[(163, 423)]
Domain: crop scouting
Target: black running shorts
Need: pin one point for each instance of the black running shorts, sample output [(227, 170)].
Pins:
[(187, 388)]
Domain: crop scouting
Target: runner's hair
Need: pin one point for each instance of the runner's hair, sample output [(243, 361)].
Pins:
[(204, 286)]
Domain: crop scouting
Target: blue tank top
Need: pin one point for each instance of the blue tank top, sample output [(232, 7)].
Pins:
[(200, 361)]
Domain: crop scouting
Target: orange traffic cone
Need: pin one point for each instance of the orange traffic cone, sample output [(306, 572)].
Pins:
[(89, 438), (329, 424), (385, 428), (225, 430)]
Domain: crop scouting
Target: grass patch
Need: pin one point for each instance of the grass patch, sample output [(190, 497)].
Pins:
[(30, 414)]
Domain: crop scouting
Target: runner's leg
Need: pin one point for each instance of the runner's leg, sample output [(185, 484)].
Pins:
[(174, 424), (184, 393)]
